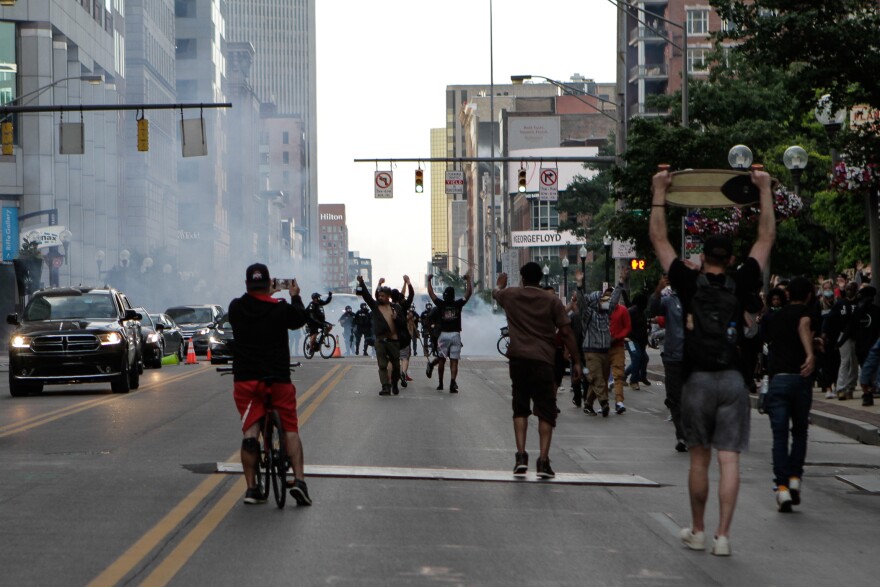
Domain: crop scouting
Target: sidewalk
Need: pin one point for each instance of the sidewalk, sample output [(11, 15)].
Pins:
[(849, 418)]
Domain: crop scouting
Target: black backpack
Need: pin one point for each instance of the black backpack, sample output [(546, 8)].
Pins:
[(708, 345)]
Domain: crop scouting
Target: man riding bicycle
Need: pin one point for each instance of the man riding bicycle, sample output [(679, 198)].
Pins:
[(316, 319), (262, 367)]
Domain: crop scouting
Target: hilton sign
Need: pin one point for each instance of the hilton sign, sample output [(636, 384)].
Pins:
[(338, 217)]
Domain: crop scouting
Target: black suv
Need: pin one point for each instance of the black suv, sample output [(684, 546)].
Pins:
[(75, 335), (196, 320)]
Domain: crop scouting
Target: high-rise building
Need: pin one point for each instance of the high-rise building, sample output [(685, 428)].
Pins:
[(334, 246), (439, 218), (57, 52), (362, 266), (283, 35), (150, 198), (654, 55), (203, 211)]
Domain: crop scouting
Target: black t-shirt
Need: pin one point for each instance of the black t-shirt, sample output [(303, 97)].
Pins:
[(450, 314), (786, 351), (260, 325), (747, 278)]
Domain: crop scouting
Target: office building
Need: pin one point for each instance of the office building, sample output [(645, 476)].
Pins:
[(283, 35), (334, 246)]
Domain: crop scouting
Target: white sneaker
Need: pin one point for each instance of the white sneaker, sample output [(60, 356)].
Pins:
[(721, 546), (783, 500), (830, 394), (693, 540), (794, 487), (634, 386)]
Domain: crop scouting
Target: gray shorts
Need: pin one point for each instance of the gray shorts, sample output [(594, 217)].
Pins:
[(449, 345), (715, 410), (405, 351)]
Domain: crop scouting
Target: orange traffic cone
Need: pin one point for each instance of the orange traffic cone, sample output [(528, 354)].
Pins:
[(191, 354), (209, 353), (336, 353)]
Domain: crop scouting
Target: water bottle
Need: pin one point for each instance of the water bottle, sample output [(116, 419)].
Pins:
[(762, 397)]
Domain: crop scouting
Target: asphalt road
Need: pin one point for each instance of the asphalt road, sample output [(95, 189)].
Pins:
[(111, 489)]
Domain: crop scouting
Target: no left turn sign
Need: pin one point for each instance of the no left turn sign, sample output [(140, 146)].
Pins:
[(384, 184)]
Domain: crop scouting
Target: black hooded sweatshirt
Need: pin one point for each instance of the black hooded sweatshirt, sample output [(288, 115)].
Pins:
[(259, 325)]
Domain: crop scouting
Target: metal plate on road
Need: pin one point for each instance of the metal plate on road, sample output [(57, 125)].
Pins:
[(870, 483), (600, 479)]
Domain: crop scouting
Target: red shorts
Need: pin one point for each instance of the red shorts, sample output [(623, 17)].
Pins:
[(250, 399)]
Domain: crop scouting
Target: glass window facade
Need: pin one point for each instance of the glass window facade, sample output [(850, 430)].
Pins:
[(8, 63)]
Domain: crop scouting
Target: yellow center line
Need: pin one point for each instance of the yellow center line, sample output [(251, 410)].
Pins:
[(178, 557), (142, 548), (41, 419)]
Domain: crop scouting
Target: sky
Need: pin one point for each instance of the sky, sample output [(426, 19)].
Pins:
[(382, 71)]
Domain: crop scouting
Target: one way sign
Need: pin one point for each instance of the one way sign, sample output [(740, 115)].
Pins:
[(548, 190)]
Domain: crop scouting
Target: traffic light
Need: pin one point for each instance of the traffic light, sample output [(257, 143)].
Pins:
[(420, 181), (637, 264), (143, 134), (6, 137), (521, 181)]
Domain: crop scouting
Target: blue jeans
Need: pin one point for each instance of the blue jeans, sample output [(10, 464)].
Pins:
[(788, 400), (638, 363)]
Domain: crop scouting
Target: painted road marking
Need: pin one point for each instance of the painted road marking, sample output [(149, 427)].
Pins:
[(160, 532)]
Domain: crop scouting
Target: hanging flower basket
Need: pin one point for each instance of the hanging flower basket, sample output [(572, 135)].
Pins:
[(855, 180), (727, 221)]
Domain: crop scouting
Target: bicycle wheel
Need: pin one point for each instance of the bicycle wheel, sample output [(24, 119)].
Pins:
[(307, 348), (328, 346), (502, 345), (261, 475), (277, 450)]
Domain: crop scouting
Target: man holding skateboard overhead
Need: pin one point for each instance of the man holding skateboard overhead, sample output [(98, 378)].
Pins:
[(715, 398)]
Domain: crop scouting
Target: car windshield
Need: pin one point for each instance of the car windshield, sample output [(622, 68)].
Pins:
[(86, 306), (191, 315), (146, 319)]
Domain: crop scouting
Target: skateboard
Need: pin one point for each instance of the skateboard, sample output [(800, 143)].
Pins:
[(712, 188)]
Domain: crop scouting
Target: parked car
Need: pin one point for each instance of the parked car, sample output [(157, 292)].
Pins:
[(75, 335), (219, 339), (152, 343), (196, 319), (171, 334)]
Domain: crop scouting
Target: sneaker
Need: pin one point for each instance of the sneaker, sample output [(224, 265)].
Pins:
[(300, 492), (829, 394), (522, 464), (721, 546), (544, 470), (868, 399), (619, 408), (403, 379), (634, 386), (429, 369), (588, 410), (693, 540), (407, 377), (576, 402), (645, 382), (386, 390), (253, 496), (680, 446), (394, 389), (605, 409), (453, 386), (794, 488), (440, 387), (783, 499), (841, 395)]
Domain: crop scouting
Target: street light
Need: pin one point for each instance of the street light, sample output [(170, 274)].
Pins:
[(606, 240), (565, 276), (546, 274), (740, 157), (124, 257), (99, 260), (795, 160), (583, 255)]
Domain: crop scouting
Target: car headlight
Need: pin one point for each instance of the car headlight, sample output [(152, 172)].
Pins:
[(153, 337), (203, 331), (110, 338), (21, 342)]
